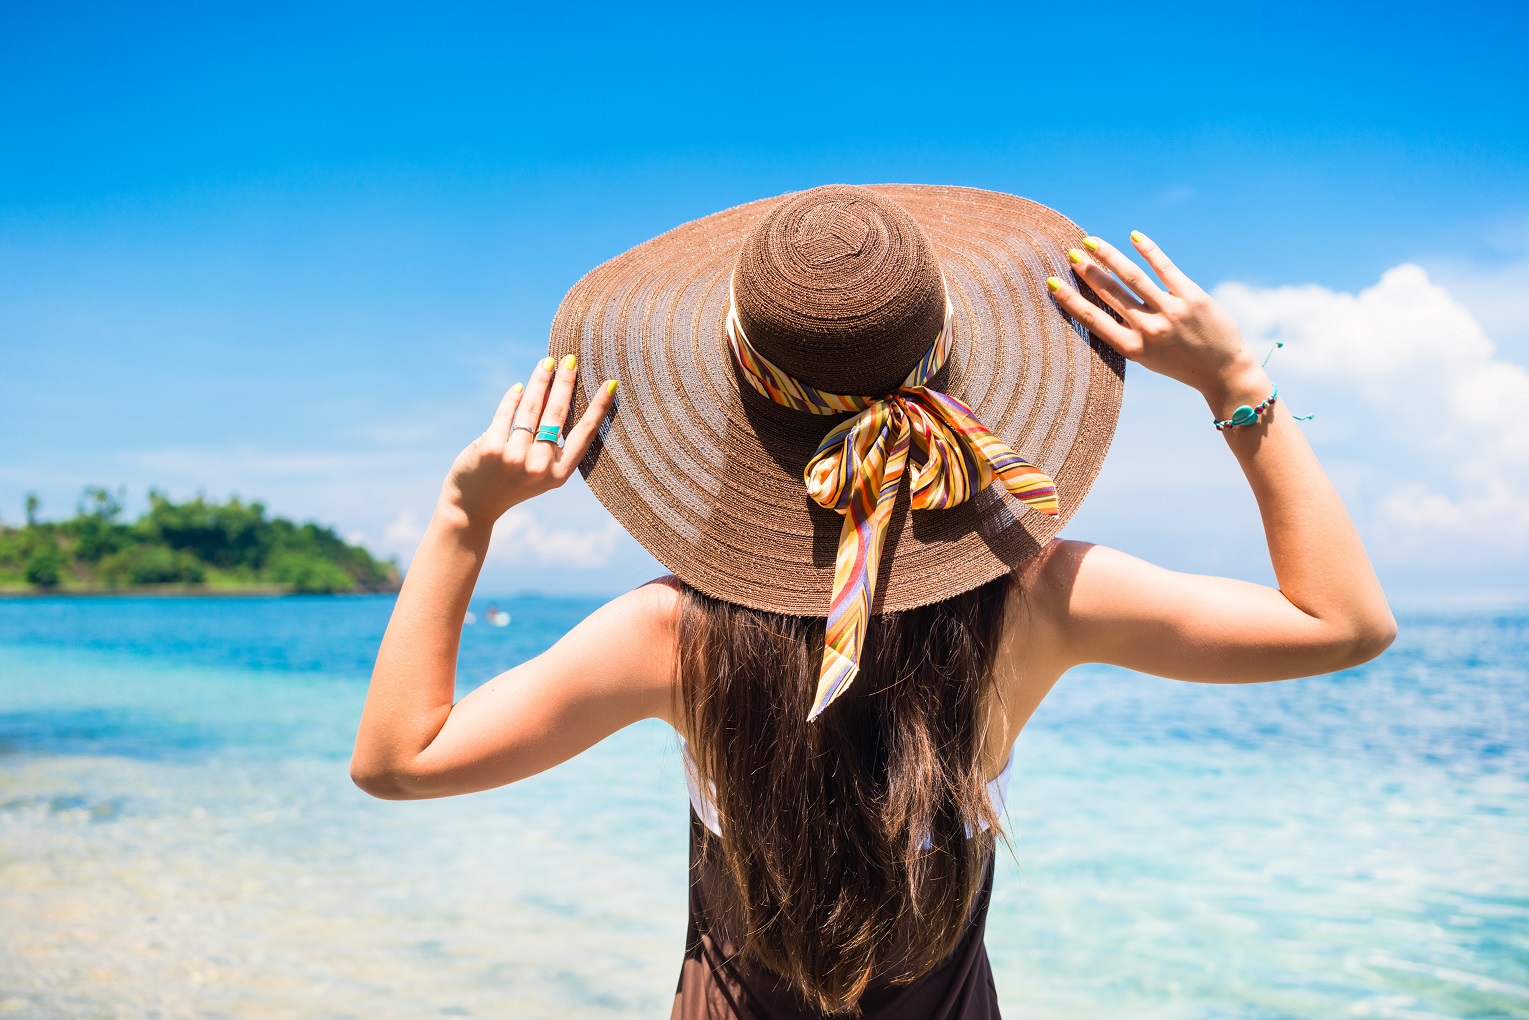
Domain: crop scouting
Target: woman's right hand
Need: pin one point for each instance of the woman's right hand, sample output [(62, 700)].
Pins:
[(1176, 330), (507, 464)]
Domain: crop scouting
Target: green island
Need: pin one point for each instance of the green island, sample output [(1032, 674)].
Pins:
[(192, 547)]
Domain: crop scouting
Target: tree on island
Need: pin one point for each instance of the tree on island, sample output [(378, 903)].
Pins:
[(217, 545)]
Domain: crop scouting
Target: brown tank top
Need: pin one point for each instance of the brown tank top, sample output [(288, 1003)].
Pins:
[(717, 984)]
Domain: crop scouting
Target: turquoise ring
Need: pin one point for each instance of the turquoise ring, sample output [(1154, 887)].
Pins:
[(550, 433)]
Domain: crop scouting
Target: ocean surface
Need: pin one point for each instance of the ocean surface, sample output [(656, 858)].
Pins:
[(179, 836)]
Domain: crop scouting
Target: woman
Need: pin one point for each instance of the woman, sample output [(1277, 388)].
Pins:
[(849, 656)]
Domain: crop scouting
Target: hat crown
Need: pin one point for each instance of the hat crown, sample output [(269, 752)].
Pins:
[(839, 287)]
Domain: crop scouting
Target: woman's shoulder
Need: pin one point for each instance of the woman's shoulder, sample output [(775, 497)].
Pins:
[(661, 599), (1050, 590), (651, 610), (1052, 580), (1044, 583)]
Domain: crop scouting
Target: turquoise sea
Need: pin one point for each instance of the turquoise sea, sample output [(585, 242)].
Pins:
[(179, 836)]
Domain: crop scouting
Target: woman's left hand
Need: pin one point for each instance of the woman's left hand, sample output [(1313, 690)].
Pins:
[(1175, 329), (507, 464)]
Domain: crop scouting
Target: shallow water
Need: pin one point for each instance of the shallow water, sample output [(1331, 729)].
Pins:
[(179, 838)]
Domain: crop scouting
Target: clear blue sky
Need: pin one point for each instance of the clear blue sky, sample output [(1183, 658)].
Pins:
[(295, 251)]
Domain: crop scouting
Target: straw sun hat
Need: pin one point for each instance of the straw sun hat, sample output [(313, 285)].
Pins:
[(845, 289)]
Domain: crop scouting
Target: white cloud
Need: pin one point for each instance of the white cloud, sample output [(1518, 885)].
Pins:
[(1496, 294), (403, 534), (519, 533), (1412, 517), (1175, 195), (1406, 378)]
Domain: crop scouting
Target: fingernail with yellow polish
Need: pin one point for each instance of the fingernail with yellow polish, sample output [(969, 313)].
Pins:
[(610, 386), (517, 387), (1053, 284), (1138, 236), (1091, 243), (570, 361), (546, 364), (1075, 256)]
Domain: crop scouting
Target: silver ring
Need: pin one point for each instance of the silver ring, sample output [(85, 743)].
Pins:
[(528, 428)]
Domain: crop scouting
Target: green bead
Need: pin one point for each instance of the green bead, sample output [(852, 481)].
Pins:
[(1244, 415)]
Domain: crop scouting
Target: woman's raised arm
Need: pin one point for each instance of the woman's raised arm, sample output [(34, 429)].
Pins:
[(612, 670), (1103, 606)]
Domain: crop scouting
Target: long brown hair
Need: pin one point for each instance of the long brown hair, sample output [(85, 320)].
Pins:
[(855, 844)]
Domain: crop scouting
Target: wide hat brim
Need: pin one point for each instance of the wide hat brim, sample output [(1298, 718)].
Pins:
[(707, 475)]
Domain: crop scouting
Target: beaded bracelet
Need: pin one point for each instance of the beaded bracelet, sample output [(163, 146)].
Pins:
[(1246, 415)]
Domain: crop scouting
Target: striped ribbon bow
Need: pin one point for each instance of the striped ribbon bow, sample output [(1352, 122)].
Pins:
[(860, 464)]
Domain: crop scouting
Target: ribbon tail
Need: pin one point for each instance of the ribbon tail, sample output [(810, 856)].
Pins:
[(866, 513), (1028, 483), (838, 672), (973, 457)]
